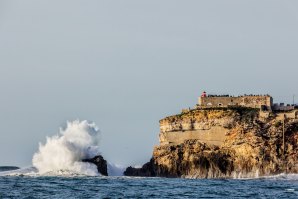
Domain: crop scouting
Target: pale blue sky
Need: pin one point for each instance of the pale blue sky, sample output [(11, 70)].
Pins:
[(127, 64)]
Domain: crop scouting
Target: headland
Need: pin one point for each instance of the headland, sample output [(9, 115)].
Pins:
[(226, 137)]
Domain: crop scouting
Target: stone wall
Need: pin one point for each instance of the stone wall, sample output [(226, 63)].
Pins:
[(247, 101)]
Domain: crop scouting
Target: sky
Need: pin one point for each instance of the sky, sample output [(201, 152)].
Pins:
[(127, 64)]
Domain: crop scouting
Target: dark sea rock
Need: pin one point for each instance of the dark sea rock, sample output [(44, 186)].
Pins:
[(147, 170), (101, 164)]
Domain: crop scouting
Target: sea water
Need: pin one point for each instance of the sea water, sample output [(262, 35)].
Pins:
[(23, 186)]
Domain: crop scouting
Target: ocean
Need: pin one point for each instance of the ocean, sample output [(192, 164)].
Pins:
[(22, 186)]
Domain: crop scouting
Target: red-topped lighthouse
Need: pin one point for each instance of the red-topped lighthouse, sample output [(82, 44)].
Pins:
[(204, 94)]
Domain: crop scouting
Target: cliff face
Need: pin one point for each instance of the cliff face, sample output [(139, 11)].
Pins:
[(216, 143), (208, 126)]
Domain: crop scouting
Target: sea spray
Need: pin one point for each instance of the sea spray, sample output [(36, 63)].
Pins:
[(64, 152), (115, 169)]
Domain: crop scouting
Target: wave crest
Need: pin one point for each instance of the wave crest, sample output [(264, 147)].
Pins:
[(64, 152)]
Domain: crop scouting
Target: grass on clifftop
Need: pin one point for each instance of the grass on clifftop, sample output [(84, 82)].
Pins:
[(239, 109)]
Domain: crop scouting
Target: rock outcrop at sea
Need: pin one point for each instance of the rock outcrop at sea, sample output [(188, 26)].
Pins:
[(100, 163), (224, 143)]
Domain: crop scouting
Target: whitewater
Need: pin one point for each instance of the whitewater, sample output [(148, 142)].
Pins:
[(62, 154)]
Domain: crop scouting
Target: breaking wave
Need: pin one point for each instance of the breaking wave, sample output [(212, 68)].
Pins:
[(62, 153)]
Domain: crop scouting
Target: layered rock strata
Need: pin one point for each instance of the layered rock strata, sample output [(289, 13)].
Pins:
[(223, 143)]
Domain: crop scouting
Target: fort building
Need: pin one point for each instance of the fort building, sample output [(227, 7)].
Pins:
[(252, 101), (263, 102)]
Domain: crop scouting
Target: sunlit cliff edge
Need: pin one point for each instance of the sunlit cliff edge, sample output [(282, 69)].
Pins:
[(226, 137)]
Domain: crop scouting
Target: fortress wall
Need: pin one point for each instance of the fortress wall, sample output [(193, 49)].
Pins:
[(247, 101), (215, 101), (257, 101), (215, 135)]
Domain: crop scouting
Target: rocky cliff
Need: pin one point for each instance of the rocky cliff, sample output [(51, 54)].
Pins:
[(224, 143)]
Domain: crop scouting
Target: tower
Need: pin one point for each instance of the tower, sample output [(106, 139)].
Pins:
[(204, 94)]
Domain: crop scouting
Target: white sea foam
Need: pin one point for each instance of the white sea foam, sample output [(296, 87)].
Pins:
[(63, 153), (283, 176), (28, 171)]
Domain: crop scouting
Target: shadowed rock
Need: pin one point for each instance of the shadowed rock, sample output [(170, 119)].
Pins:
[(147, 170), (101, 164)]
